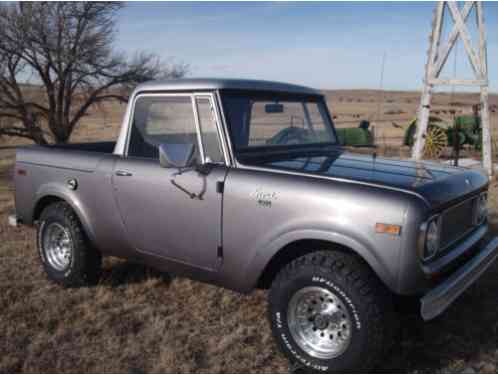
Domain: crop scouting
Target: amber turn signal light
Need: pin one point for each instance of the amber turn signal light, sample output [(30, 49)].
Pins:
[(394, 230)]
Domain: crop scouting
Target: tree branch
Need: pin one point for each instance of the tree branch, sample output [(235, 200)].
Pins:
[(68, 48)]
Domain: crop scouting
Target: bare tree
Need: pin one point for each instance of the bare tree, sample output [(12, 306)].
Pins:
[(57, 60)]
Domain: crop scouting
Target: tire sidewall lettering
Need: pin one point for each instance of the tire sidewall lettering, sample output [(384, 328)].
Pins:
[(299, 357), (280, 323), (289, 345)]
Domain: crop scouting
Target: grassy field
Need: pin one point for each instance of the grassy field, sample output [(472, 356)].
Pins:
[(138, 320)]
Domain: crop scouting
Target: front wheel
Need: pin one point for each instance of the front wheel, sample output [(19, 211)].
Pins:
[(329, 313)]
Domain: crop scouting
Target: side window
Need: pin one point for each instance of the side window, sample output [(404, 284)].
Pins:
[(159, 120), (209, 131)]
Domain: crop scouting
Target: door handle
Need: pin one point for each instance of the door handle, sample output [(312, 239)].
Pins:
[(123, 173)]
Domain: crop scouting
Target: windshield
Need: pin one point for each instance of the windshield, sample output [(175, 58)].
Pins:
[(269, 121)]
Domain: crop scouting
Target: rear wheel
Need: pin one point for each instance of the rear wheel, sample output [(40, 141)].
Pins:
[(65, 252), (330, 313)]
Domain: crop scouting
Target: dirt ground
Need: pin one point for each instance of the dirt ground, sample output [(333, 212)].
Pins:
[(138, 320)]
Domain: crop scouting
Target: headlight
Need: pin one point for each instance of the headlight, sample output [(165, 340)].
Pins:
[(481, 208), (432, 238)]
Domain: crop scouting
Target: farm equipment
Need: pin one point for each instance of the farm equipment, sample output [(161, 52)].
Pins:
[(359, 137), (466, 130), (469, 130)]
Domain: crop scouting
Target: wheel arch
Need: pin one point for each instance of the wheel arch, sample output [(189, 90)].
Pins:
[(43, 203), (49, 197), (298, 247), (293, 251)]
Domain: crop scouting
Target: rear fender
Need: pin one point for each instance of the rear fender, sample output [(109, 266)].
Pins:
[(70, 197)]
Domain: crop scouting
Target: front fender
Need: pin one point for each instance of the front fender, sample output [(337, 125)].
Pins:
[(70, 197), (382, 266)]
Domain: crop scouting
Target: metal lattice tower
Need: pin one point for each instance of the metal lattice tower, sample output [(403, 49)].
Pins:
[(437, 57)]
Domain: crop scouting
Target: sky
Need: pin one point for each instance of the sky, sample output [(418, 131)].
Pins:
[(323, 45)]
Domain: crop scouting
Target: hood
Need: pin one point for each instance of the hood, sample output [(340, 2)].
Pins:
[(438, 184)]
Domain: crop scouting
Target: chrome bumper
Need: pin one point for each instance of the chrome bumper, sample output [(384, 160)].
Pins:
[(439, 298), (13, 220)]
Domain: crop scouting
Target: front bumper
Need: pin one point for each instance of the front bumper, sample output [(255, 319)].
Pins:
[(438, 299)]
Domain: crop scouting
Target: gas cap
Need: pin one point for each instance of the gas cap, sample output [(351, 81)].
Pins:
[(72, 184)]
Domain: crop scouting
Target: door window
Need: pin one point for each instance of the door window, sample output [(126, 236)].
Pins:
[(158, 120)]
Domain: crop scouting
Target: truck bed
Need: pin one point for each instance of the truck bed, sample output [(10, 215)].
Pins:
[(102, 147), (78, 156)]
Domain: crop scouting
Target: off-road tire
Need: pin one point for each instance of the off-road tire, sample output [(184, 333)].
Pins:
[(85, 263), (367, 300)]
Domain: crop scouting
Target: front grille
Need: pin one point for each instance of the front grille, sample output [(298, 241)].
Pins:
[(457, 221)]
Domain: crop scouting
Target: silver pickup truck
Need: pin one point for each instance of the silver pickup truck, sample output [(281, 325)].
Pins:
[(243, 184)]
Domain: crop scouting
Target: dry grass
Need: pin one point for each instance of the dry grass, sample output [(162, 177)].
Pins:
[(137, 320)]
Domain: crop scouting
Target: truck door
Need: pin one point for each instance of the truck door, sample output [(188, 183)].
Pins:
[(171, 213)]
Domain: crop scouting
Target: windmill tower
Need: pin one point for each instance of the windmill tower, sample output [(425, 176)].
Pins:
[(437, 57)]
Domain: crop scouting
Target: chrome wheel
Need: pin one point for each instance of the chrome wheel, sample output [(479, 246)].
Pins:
[(57, 246), (319, 322)]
